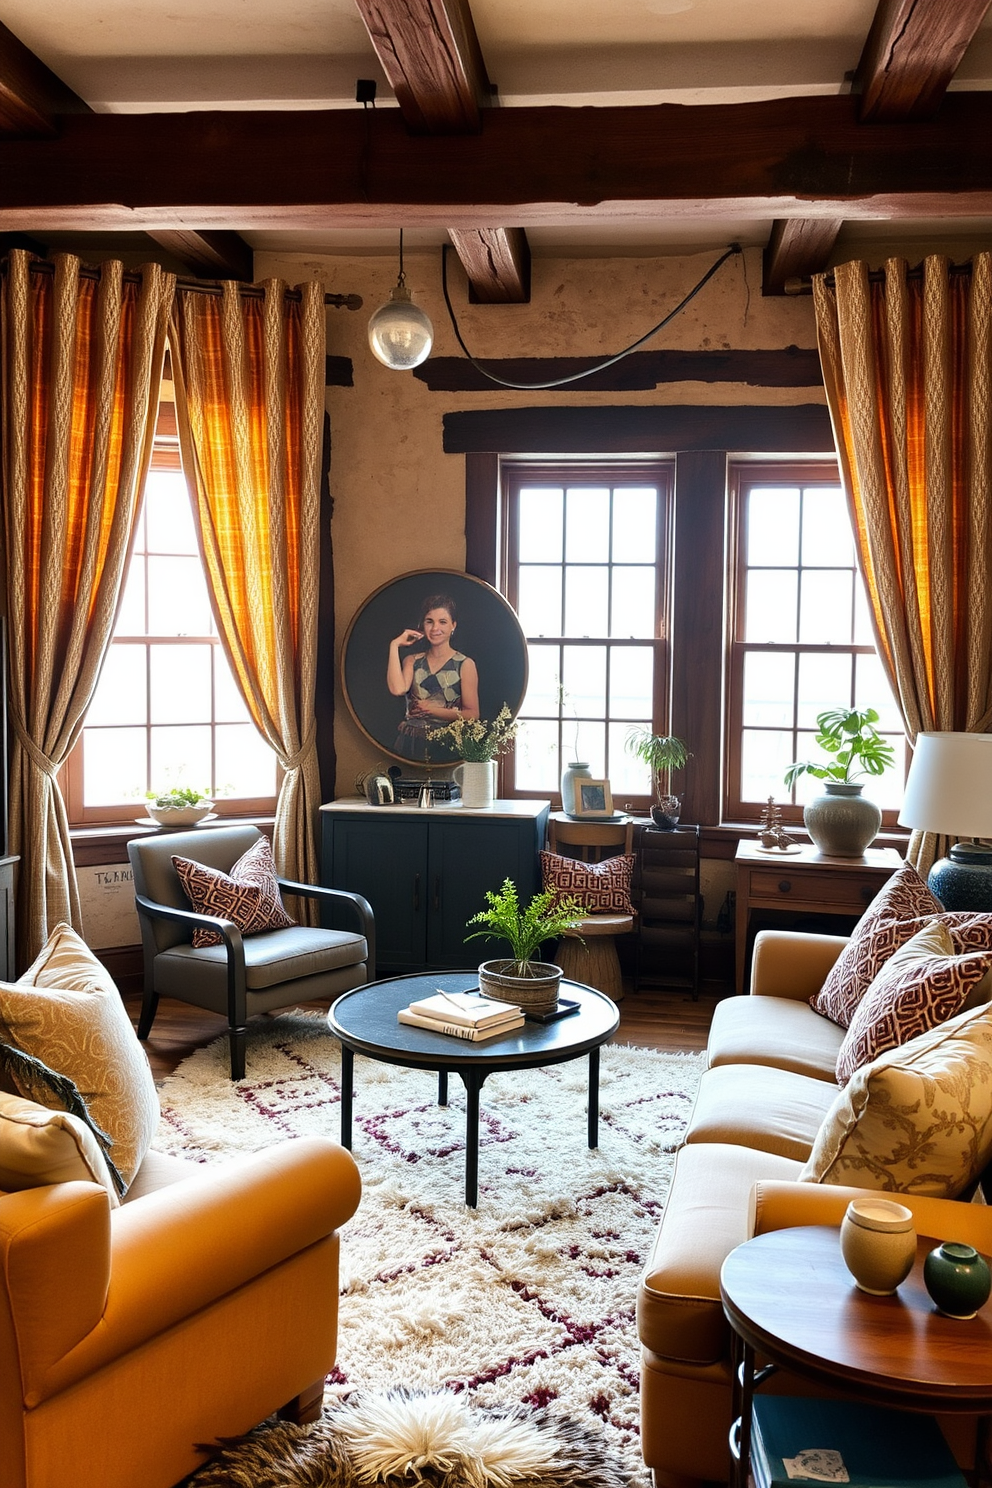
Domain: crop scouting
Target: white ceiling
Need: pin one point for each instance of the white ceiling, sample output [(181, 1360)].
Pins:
[(129, 56)]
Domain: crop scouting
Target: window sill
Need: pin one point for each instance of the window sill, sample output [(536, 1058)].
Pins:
[(115, 834)]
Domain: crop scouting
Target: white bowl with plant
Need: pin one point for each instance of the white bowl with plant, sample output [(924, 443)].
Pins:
[(181, 807), (531, 984)]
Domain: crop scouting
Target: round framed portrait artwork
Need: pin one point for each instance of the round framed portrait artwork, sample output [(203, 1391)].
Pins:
[(484, 630)]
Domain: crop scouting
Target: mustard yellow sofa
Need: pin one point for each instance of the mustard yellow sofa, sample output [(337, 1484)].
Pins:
[(204, 1303), (769, 1083)]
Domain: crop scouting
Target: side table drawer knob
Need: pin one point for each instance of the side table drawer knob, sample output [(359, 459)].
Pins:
[(784, 886)]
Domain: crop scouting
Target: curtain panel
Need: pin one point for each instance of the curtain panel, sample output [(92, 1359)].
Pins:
[(82, 361), (907, 366), (249, 377)]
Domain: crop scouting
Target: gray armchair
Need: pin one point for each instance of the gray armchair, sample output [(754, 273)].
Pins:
[(244, 975)]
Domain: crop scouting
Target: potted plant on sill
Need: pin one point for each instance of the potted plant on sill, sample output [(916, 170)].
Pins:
[(182, 806), (841, 823), (662, 753), (532, 985)]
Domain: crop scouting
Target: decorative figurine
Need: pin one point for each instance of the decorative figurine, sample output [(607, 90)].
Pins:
[(771, 833)]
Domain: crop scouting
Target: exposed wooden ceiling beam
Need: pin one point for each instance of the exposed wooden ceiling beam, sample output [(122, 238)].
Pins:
[(497, 263), (913, 50), (789, 157), (430, 53), (797, 248), (212, 255), (30, 93)]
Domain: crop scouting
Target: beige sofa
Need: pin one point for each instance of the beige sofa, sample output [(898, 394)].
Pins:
[(769, 1083)]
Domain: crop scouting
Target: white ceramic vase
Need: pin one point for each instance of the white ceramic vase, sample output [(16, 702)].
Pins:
[(573, 771), (878, 1243), (475, 780)]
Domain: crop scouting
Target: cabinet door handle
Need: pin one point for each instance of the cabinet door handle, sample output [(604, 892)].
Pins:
[(437, 892), (784, 886), (416, 893)]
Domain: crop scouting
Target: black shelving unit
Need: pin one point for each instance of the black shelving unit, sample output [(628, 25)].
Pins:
[(669, 906)]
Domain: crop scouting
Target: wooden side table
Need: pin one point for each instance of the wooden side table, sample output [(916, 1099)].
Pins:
[(806, 882), (789, 1296)]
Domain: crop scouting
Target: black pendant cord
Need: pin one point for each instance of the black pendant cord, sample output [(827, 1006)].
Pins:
[(535, 387)]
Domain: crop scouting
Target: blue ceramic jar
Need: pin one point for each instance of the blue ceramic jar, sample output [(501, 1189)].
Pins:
[(957, 1278)]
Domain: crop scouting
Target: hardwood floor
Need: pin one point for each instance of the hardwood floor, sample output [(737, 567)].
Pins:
[(667, 1021)]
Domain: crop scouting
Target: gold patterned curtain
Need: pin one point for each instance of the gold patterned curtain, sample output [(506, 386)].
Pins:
[(82, 361), (249, 374), (907, 364)]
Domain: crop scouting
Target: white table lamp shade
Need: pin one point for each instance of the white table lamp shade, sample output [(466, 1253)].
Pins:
[(949, 788)]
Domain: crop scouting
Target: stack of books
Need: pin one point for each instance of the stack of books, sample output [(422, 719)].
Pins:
[(797, 1440), (465, 1015)]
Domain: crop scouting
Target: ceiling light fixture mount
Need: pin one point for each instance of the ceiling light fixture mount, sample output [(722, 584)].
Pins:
[(400, 333)]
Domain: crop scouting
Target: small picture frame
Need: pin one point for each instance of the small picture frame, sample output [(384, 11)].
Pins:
[(593, 798)]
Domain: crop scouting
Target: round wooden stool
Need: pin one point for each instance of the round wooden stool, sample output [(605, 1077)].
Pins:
[(596, 962)]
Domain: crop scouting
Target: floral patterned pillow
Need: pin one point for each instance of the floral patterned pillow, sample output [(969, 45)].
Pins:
[(248, 895), (922, 984), (900, 908), (603, 888)]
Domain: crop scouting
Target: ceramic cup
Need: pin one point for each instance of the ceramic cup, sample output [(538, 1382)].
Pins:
[(878, 1243), (957, 1278)]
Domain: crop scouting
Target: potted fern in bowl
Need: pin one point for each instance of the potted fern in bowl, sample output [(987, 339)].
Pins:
[(531, 984), (180, 806)]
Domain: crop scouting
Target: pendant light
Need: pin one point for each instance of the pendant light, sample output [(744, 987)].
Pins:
[(400, 333)]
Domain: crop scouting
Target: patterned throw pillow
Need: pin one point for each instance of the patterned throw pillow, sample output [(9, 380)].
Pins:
[(922, 984), (894, 915), (917, 1119), (248, 895), (603, 888)]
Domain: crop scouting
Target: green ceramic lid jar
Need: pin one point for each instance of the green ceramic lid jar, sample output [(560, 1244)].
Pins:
[(957, 1278)]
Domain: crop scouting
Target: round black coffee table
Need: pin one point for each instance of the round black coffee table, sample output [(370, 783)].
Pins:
[(365, 1022)]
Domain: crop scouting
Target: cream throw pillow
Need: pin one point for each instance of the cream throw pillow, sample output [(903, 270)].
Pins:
[(66, 1010), (917, 1120), (38, 1146)]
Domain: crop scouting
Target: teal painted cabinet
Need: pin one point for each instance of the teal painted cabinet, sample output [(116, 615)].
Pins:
[(426, 872)]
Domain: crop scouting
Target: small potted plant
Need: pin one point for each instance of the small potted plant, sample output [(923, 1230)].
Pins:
[(477, 741), (532, 985), (181, 806), (840, 822), (663, 753)]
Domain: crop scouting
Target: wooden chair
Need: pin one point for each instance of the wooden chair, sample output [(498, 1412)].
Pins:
[(593, 959)]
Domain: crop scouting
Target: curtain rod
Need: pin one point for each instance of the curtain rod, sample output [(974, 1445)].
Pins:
[(195, 286), (804, 284)]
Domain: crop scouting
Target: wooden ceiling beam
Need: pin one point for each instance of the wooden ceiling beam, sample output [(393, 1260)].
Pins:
[(497, 263), (791, 157), (31, 96), (211, 255), (797, 248), (913, 50), (430, 53)]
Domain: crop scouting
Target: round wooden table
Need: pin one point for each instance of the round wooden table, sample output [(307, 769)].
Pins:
[(789, 1296)]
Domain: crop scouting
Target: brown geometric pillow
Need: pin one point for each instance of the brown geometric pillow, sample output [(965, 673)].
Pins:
[(248, 895), (601, 887), (898, 910), (922, 984)]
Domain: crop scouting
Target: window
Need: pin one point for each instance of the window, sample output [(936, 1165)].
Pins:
[(166, 709), (802, 639), (585, 571)]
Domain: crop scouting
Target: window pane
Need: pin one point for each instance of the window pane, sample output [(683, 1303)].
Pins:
[(584, 677), (131, 615), (168, 514), (543, 681), (631, 682), (177, 597), (121, 694), (181, 756), (824, 682), (773, 526), (770, 606), (635, 516), (863, 633), (592, 747), (180, 684), (769, 688), (872, 690), (245, 763), (229, 705), (587, 525), (539, 601), (540, 535), (825, 607), (628, 776), (827, 536), (115, 768), (586, 601), (536, 757), (765, 758), (634, 602)]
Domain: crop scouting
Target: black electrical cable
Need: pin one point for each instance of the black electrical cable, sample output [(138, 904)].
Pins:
[(536, 387)]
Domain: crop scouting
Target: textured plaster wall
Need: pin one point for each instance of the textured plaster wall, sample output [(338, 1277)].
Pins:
[(398, 499)]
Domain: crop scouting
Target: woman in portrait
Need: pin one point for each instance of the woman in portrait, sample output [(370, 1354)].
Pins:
[(440, 683)]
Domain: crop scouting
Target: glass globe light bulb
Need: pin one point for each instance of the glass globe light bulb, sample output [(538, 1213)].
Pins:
[(400, 333)]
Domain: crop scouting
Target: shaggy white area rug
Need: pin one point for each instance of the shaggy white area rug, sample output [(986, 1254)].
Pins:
[(527, 1301)]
